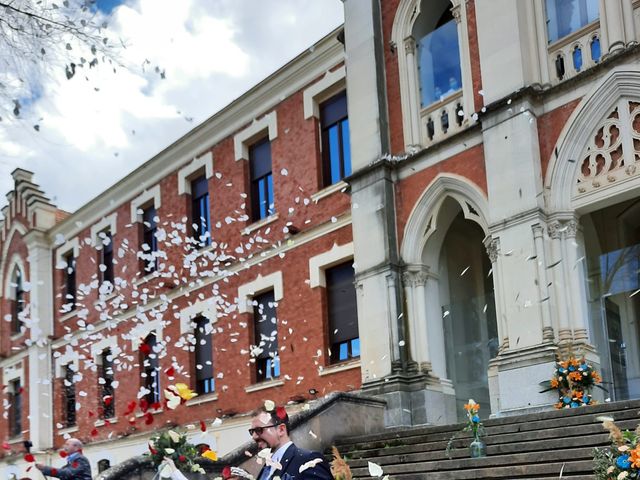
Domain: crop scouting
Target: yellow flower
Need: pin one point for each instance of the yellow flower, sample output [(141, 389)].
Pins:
[(185, 392), (211, 455)]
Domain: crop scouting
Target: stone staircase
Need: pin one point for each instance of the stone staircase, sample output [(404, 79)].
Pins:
[(551, 444)]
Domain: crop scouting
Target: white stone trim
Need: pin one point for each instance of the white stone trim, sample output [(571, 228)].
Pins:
[(151, 195), (142, 330), (15, 227), (264, 385), (246, 292), (186, 173), (319, 263), (62, 251), (99, 347), (243, 139), (340, 367), (200, 399), (69, 357), (11, 372), (205, 308), (328, 86), (108, 223), (425, 212), (328, 191), (259, 224), (16, 262)]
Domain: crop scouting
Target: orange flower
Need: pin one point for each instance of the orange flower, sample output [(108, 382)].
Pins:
[(575, 376), (596, 377), (635, 457), (578, 394), (554, 383)]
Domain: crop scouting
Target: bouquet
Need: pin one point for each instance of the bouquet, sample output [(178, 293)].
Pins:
[(175, 446), (621, 460), (574, 380), (474, 425)]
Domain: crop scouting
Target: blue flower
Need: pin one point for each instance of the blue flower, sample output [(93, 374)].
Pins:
[(475, 419), (575, 404), (623, 462), (572, 368), (586, 399), (566, 399)]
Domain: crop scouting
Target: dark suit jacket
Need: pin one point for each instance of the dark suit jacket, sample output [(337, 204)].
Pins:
[(294, 458), (78, 469)]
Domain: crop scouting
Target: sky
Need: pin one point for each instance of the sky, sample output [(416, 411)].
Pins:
[(93, 133)]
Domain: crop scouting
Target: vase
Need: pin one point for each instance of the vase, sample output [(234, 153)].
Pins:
[(477, 448)]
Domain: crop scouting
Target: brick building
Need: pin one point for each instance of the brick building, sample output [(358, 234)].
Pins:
[(483, 187)]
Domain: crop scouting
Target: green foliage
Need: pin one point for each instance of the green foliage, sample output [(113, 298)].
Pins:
[(181, 452)]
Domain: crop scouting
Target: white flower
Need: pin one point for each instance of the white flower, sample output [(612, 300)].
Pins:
[(269, 405), (169, 451), (623, 448), (175, 438), (623, 475), (611, 469)]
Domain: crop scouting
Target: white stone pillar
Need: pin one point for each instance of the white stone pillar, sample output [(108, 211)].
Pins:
[(629, 22), (543, 283), (414, 104), (575, 273), (560, 283), (612, 21), (493, 250), (459, 12), (435, 327), (415, 296)]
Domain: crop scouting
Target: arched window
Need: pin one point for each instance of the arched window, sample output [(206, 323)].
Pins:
[(438, 52), (18, 301)]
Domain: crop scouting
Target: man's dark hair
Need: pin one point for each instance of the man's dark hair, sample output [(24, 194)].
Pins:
[(278, 416)]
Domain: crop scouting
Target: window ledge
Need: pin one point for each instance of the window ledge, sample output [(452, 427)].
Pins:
[(15, 336), (340, 367), (13, 440), (68, 316), (66, 430), (153, 412), (146, 278), (209, 397), (330, 190), (567, 39), (107, 298), (259, 224), (263, 385), (102, 423)]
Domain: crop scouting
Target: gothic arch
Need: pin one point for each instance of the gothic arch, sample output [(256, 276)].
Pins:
[(15, 263), (613, 100), (422, 223), (16, 227)]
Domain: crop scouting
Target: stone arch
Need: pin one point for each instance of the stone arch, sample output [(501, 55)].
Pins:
[(423, 220), (16, 227), (621, 86), (15, 263)]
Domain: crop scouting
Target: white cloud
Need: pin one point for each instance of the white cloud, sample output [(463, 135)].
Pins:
[(212, 53)]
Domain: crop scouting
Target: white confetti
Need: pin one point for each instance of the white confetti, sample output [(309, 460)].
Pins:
[(375, 470)]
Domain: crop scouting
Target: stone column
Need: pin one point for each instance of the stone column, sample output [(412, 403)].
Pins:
[(493, 251), (612, 24), (575, 273), (459, 11), (560, 283), (410, 51), (543, 283), (414, 282)]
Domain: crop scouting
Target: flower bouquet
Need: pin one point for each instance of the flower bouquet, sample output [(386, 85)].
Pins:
[(474, 425), (621, 460), (174, 445), (573, 379)]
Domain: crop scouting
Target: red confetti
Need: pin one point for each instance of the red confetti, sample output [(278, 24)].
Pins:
[(156, 406), (74, 464), (203, 426), (226, 472), (145, 349), (132, 420), (131, 407), (91, 414), (182, 458), (153, 450), (94, 432), (54, 472), (144, 405), (107, 422), (281, 413), (148, 418), (29, 458), (6, 445), (170, 371), (107, 399), (63, 454), (21, 390)]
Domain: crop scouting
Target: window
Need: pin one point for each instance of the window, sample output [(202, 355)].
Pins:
[(18, 303), (200, 211), (150, 368), (103, 465), (149, 241), (69, 396), (566, 16), (70, 282), (438, 52), (205, 382), (336, 153), (342, 312), (105, 387), (266, 337), (261, 180), (106, 256), (15, 408)]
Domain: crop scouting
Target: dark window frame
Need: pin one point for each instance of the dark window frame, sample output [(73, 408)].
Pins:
[(200, 212), (334, 123), (15, 410), (106, 389), (342, 313), (69, 395), (18, 303), (203, 356), (261, 180), (106, 256), (70, 280), (150, 365), (149, 228), (267, 362)]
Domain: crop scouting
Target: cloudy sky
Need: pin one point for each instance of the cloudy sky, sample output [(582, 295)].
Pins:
[(93, 133)]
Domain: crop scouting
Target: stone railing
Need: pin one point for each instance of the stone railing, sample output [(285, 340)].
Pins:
[(574, 53), (443, 118), (336, 415)]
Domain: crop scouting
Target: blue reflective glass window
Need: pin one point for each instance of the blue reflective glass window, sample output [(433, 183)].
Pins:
[(262, 202), (595, 49), (439, 63), (336, 152), (355, 347), (577, 58), (566, 16), (200, 216)]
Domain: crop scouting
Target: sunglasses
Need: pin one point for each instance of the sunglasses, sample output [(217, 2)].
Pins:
[(259, 430)]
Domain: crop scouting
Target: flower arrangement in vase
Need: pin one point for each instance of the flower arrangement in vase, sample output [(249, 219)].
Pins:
[(474, 425), (574, 380)]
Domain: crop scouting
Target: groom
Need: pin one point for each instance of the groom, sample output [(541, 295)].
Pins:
[(270, 429)]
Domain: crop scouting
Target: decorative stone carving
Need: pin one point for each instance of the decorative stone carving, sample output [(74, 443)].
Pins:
[(414, 278), (555, 230), (410, 45), (571, 228), (493, 249)]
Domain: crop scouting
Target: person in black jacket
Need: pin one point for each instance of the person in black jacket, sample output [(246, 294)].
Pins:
[(77, 466), (270, 429)]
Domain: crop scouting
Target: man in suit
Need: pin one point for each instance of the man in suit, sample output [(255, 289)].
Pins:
[(270, 429), (77, 466)]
